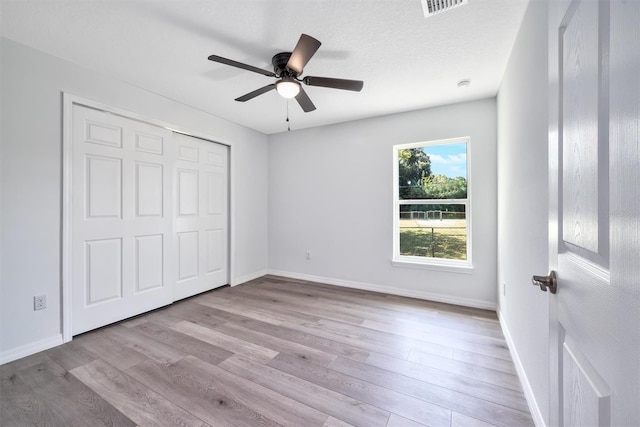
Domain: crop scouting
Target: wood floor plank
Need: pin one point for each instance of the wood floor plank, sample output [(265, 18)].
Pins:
[(136, 320), (70, 356), (178, 383), (185, 343), (365, 391), (485, 391), (283, 410), (398, 421), (303, 304), (254, 309), (10, 369), (226, 316), (141, 343), (277, 344), (448, 328), (245, 308), (443, 326), (460, 420), (197, 313), (468, 370), (43, 374), (474, 324), (135, 400), (400, 349), (494, 348), (434, 393), (334, 422), (323, 344), (164, 316), (19, 403), (392, 337), (379, 313), (498, 364), (229, 343), (328, 401), (110, 350), (47, 394)]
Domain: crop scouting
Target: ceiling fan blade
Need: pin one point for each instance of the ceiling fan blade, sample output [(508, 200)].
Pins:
[(256, 92), (220, 59), (302, 53), (354, 85), (304, 101)]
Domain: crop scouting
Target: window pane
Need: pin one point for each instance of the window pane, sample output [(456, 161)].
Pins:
[(436, 231), (433, 172)]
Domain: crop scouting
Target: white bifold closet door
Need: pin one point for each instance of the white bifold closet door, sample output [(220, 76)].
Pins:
[(148, 217), (201, 215), (122, 237)]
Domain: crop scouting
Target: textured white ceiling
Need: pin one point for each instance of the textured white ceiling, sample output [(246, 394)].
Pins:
[(406, 61)]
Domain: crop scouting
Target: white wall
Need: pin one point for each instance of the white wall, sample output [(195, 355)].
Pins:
[(31, 86), (331, 192), (523, 205)]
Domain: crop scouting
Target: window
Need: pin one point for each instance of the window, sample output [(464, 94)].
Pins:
[(431, 203)]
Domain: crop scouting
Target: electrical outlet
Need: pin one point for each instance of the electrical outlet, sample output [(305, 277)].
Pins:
[(308, 255), (39, 302)]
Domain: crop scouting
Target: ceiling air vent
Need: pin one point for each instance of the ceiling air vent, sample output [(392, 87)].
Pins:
[(433, 7)]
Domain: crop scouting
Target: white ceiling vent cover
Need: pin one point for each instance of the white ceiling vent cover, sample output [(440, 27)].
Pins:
[(433, 7)]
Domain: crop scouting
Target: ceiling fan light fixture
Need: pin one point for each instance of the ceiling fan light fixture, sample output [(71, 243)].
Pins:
[(288, 88)]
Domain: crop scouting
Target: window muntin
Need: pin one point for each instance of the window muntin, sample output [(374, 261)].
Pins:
[(432, 204)]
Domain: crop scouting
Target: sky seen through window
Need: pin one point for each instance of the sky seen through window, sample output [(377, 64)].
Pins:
[(449, 160)]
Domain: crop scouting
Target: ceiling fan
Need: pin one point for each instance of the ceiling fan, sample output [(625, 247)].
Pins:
[(287, 67)]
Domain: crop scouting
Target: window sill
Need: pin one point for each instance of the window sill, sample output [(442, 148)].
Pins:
[(433, 265)]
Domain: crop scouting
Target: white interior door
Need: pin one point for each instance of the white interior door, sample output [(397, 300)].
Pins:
[(121, 246), (201, 212), (594, 213)]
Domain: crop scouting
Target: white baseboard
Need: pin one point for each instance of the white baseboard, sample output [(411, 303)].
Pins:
[(466, 302), (29, 349), (248, 277), (538, 419)]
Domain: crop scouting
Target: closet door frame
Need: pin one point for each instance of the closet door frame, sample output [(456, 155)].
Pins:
[(68, 101)]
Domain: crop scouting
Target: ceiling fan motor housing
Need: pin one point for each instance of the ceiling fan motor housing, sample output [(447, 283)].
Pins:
[(279, 62)]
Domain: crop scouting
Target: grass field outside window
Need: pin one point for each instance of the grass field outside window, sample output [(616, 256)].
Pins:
[(432, 205)]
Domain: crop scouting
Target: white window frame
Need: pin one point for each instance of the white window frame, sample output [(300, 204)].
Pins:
[(458, 266)]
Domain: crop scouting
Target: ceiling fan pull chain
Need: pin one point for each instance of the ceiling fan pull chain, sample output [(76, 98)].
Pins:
[(288, 123)]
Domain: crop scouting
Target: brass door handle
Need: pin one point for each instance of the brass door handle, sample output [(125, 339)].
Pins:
[(549, 282)]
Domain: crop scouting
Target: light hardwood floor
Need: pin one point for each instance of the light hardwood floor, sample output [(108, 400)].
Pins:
[(274, 352)]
